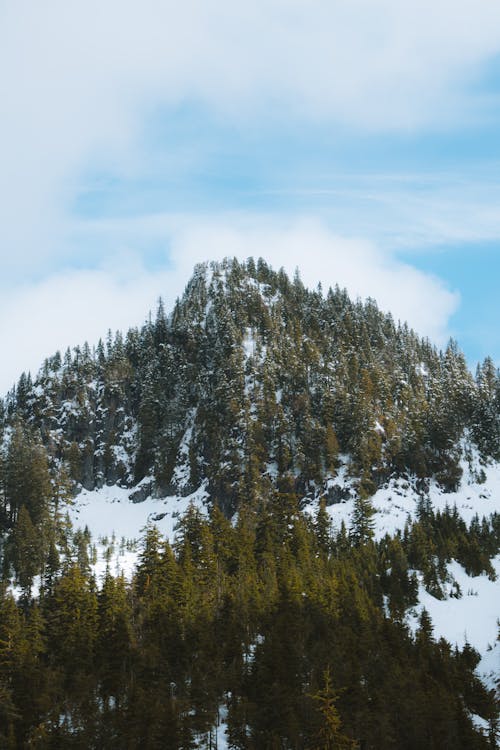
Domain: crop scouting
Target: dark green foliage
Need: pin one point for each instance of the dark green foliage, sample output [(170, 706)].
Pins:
[(25, 476), (261, 390), (269, 620), (26, 556), (362, 521)]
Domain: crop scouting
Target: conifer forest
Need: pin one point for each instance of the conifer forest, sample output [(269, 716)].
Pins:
[(260, 623)]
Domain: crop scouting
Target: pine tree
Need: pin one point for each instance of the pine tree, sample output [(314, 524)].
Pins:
[(11, 648), (26, 476), (26, 555), (362, 523), (73, 622), (323, 528), (114, 645), (330, 736)]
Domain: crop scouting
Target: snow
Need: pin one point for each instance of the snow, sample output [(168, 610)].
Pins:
[(250, 346), (480, 724), (70, 408), (272, 469), (120, 454), (222, 739), (396, 502), (17, 591), (109, 510), (182, 470), (109, 514), (217, 738), (472, 619), (421, 369), (248, 343), (121, 563), (489, 668), (111, 517)]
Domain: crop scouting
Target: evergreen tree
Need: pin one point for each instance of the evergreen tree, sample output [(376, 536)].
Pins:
[(362, 523), (26, 552), (330, 736)]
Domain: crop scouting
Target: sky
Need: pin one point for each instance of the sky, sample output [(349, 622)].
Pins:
[(355, 140)]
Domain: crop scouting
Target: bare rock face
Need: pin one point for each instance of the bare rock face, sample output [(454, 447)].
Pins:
[(337, 494), (144, 490)]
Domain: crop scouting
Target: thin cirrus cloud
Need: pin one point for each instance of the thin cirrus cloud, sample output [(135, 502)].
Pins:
[(407, 211), (120, 293)]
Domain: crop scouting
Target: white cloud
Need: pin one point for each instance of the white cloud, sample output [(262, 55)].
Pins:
[(68, 308), (78, 79), (366, 271)]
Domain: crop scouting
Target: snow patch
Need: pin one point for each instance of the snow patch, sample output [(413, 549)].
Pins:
[(109, 514), (472, 619), (182, 472), (397, 501)]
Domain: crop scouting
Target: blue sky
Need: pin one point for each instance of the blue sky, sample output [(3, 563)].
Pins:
[(357, 141)]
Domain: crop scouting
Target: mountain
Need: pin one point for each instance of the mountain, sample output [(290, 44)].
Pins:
[(244, 423), (254, 381)]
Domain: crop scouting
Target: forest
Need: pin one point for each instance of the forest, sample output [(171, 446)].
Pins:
[(256, 615)]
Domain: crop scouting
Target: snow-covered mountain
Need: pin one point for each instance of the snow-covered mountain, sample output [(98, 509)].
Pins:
[(257, 395), (252, 378)]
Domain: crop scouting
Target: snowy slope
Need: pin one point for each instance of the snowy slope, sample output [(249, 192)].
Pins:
[(396, 502), (113, 518), (475, 617), (471, 619)]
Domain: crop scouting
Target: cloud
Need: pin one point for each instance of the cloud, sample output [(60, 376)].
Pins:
[(322, 256), (77, 305), (69, 308), (79, 79), (415, 211)]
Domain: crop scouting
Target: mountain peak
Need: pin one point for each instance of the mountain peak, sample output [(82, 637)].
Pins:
[(253, 381)]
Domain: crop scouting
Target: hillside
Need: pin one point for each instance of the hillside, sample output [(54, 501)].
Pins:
[(253, 381), (325, 479)]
